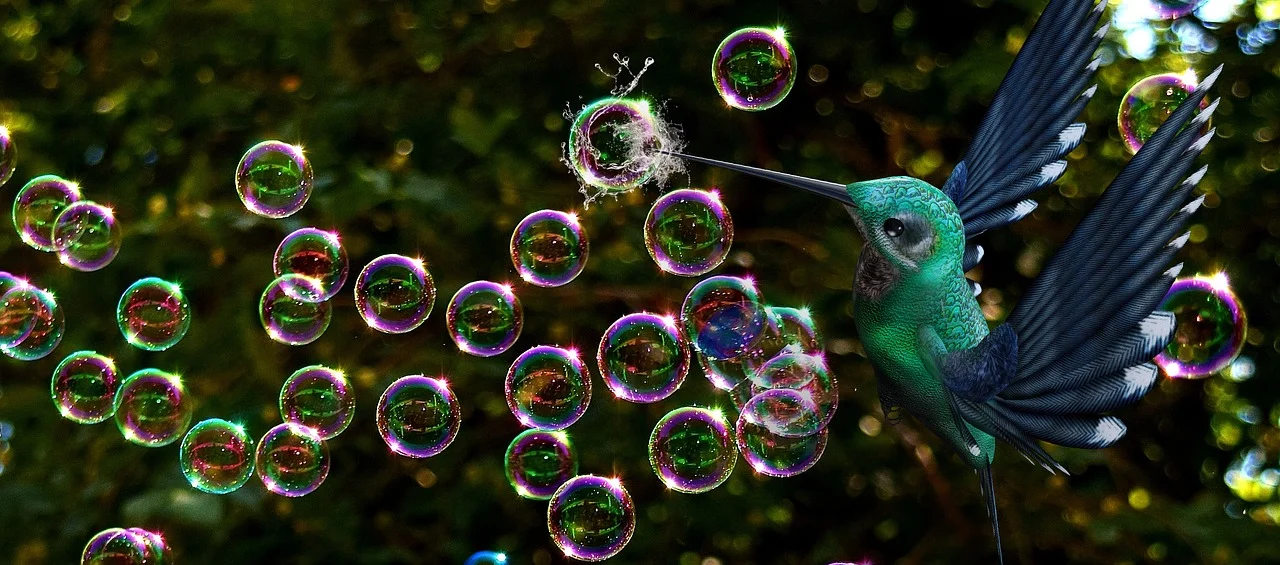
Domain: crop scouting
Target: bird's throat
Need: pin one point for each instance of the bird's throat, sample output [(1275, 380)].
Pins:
[(876, 276)]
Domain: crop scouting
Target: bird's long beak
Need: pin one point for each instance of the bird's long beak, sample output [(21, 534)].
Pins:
[(830, 190)]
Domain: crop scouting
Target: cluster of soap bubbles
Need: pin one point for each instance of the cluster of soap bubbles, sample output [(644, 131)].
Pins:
[(1211, 327), (151, 407), (51, 215), (31, 321), (310, 267), (1149, 102), (126, 546)]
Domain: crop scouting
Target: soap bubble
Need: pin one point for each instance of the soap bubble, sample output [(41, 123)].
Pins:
[(549, 248), (486, 558), (216, 456), (274, 179), (292, 460), (319, 398), (688, 232), (612, 144), (692, 450), (115, 546), (1149, 102), (642, 357), (776, 456), (37, 206), (807, 374), (158, 550), (539, 461), (395, 294), (484, 318), (48, 324), (591, 518), (152, 408), (1172, 9), (723, 316), (8, 154), (783, 411), (86, 236), (19, 304), (548, 388), (797, 329), (754, 68), (724, 374), (292, 320), (1211, 326), (317, 255), (418, 416), (84, 387), (153, 314)]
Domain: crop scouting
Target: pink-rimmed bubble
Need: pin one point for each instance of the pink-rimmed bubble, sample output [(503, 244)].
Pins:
[(37, 206), (291, 320), (723, 316), (84, 387), (591, 518), (395, 294), (539, 461), (48, 323), (806, 374), (548, 388), (418, 416), (643, 358), (319, 398), (152, 408), (1211, 327), (153, 314), (317, 255), (8, 155), (216, 456), (484, 318), (771, 454), (692, 450), (116, 546), (1172, 9), (688, 232), (754, 68), (786, 412), (1149, 102), (274, 179), (549, 248), (87, 236), (291, 460)]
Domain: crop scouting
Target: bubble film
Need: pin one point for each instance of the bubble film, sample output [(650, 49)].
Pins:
[(48, 323), (484, 318), (319, 398), (611, 144), (754, 68), (291, 320), (153, 314), (1149, 102), (395, 294), (8, 155), (86, 236), (37, 206), (158, 550), (642, 357), (539, 461), (486, 558), (84, 387), (418, 416), (1211, 327), (776, 456), (292, 460), (548, 388), (806, 374), (216, 456), (591, 518), (692, 450), (317, 255), (19, 304), (549, 248), (797, 329), (785, 412), (274, 179), (1171, 9), (688, 232), (152, 408), (116, 546), (723, 316), (723, 374)]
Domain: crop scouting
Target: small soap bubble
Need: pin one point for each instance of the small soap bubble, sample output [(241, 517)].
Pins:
[(484, 318), (723, 316), (539, 461), (153, 314), (1172, 9), (692, 450), (317, 255), (37, 206), (549, 248), (806, 374), (754, 68), (19, 304), (292, 460), (158, 550), (612, 144), (776, 456), (86, 236), (116, 546), (1149, 102), (84, 387), (8, 155), (274, 179), (418, 416), (319, 398), (47, 326), (783, 411), (688, 232), (217, 456), (1211, 326), (548, 388), (486, 558), (395, 294), (591, 518), (152, 408), (642, 357), (797, 329), (291, 320)]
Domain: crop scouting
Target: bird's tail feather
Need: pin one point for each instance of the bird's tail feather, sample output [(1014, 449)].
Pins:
[(989, 490)]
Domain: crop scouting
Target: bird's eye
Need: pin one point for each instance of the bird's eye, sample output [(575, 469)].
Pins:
[(894, 227)]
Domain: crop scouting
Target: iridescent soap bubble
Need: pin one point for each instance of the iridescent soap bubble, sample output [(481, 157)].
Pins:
[(486, 558), (548, 388), (152, 408), (290, 319), (723, 316), (692, 450), (754, 68), (86, 236), (784, 411), (1211, 326), (395, 294), (116, 546), (37, 206), (153, 314), (19, 304), (539, 461), (8, 155), (642, 357), (292, 460), (315, 254), (807, 374), (484, 318), (1171, 9), (612, 144), (319, 398), (591, 518), (688, 232), (776, 456), (797, 329), (274, 179), (1149, 102), (158, 550), (84, 387), (724, 374), (48, 323), (549, 248), (217, 456), (418, 416)]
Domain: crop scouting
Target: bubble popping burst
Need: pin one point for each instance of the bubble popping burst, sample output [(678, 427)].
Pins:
[(539, 461), (1211, 327), (591, 518), (291, 460), (692, 450), (1149, 102), (216, 456)]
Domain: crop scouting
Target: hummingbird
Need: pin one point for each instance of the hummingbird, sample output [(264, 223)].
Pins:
[(1080, 343)]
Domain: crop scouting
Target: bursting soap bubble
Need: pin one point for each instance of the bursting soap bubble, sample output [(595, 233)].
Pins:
[(754, 68), (549, 248), (783, 411), (1211, 327), (37, 206), (8, 155), (484, 318), (86, 236), (418, 416), (486, 558), (290, 319), (317, 255), (612, 143), (152, 408), (688, 232), (216, 456), (1149, 102), (539, 461), (47, 325), (692, 450), (319, 398), (292, 460), (548, 388), (116, 546), (591, 518), (723, 316), (806, 374), (395, 294), (274, 179), (776, 456), (642, 357), (84, 387), (153, 314)]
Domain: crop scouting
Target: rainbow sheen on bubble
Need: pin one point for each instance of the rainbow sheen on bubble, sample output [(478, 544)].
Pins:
[(723, 316), (549, 248), (8, 155), (37, 206), (1149, 102), (776, 456), (19, 305), (395, 294), (48, 323), (216, 456), (612, 143), (291, 460), (1171, 9), (539, 461), (688, 232), (317, 255), (152, 408), (806, 374), (274, 179), (692, 450), (1211, 327), (84, 387), (87, 236), (591, 518), (642, 357), (797, 329), (724, 374), (783, 411), (548, 388), (157, 548), (153, 314), (319, 398), (290, 319), (418, 416), (754, 68), (486, 558), (116, 546), (484, 318)]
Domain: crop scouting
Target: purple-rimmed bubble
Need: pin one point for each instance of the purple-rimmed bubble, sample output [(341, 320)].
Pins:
[(84, 387), (688, 232), (798, 329), (87, 236), (418, 416), (216, 456), (1172, 9), (539, 461), (723, 316), (1211, 327), (8, 155), (274, 179), (156, 546), (776, 456), (784, 411), (291, 460), (19, 305), (395, 294), (548, 388), (116, 546), (692, 450), (37, 206), (754, 68), (806, 374), (642, 357), (291, 320), (484, 318), (591, 518), (1150, 102), (152, 408), (315, 254), (549, 248), (153, 314), (48, 323), (612, 143), (319, 398)]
